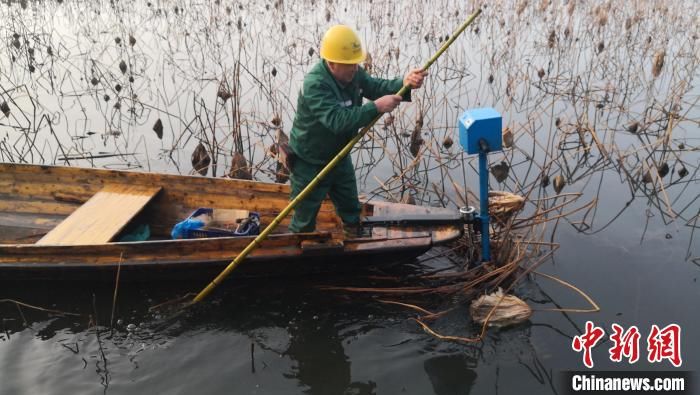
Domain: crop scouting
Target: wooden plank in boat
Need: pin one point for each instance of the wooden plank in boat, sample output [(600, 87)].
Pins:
[(102, 217)]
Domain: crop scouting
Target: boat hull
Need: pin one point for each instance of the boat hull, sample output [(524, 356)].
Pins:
[(39, 199)]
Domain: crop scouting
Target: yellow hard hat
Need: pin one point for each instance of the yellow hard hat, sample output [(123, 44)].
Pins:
[(341, 44)]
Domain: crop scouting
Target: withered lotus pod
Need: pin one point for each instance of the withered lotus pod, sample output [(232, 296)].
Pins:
[(158, 128)]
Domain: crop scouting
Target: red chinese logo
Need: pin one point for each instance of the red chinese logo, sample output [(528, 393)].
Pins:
[(625, 344), (661, 344), (665, 344), (586, 341)]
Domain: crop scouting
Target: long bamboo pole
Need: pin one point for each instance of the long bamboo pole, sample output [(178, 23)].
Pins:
[(342, 154)]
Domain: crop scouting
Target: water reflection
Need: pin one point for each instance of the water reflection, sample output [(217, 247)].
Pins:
[(283, 336), (451, 374)]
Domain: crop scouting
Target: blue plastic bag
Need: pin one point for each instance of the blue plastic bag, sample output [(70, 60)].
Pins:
[(195, 228), (182, 229)]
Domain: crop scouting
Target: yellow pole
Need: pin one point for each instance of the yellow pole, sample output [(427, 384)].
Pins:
[(345, 151)]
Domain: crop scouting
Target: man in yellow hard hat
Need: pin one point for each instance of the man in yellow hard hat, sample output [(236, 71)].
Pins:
[(330, 112)]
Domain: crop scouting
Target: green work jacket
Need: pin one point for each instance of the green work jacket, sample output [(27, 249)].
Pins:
[(329, 114)]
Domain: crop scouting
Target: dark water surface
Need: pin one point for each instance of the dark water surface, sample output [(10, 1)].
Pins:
[(639, 263), (289, 336)]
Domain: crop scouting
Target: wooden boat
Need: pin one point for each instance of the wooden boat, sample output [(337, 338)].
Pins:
[(66, 222)]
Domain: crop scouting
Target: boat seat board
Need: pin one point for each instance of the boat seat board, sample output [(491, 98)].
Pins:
[(102, 217)]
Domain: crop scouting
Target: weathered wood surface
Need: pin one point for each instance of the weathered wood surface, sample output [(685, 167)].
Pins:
[(154, 252), (60, 190), (34, 199), (102, 217)]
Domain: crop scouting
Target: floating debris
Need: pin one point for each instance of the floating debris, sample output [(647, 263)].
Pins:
[(389, 120), (111, 133), (416, 142), (223, 93), (507, 137), (602, 16), (239, 167), (158, 128), (500, 171), (282, 151), (368, 64), (408, 199), (658, 63), (276, 120), (552, 39), (201, 159), (504, 205), (5, 108), (416, 139), (447, 142), (500, 309), (558, 183)]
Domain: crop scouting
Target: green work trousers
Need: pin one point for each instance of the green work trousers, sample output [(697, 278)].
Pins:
[(340, 185)]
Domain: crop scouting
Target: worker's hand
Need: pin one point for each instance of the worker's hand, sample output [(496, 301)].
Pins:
[(414, 78), (387, 103)]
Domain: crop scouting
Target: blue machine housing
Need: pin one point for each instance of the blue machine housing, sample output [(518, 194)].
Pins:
[(477, 124), (480, 132)]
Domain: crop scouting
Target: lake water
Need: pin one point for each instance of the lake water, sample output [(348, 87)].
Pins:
[(635, 251)]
